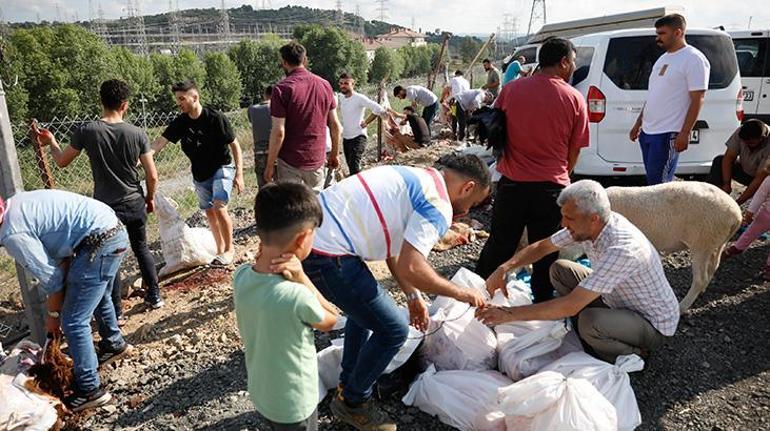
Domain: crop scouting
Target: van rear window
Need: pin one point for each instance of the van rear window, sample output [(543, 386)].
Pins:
[(630, 60)]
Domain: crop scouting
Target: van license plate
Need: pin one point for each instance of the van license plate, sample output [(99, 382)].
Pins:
[(695, 136)]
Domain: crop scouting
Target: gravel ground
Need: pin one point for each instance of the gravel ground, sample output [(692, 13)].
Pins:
[(187, 371)]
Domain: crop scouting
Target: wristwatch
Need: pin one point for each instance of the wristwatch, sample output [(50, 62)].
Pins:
[(413, 296), (54, 314)]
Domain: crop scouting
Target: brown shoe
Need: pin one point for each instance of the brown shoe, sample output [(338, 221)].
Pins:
[(364, 417)]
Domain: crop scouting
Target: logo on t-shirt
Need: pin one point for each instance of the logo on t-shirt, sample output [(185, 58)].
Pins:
[(663, 70)]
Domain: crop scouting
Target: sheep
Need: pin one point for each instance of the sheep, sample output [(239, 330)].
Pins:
[(682, 215)]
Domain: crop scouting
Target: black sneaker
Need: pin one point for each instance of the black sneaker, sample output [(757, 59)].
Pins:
[(77, 402), (154, 304), (364, 417), (107, 356)]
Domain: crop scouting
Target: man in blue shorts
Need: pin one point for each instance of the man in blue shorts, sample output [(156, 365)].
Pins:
[(216, 163)]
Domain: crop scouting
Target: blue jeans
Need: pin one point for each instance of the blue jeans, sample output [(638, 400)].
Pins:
[(89, 293), (659, 156), (217, 188), (375, 329)]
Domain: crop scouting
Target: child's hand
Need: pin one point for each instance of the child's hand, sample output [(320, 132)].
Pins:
[(748, 217), (289, 266)]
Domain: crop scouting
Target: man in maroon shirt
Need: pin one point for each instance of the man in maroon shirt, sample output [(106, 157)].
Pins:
[(547, 125), (301, 107)]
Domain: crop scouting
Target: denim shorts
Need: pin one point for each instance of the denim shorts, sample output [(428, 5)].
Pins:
[(217, 188)]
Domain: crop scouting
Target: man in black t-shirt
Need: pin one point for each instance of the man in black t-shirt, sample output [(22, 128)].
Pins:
[(113, 147), (209, 142), (420, 136)]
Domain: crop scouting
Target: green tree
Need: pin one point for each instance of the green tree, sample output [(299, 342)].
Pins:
[(418, 60), (257, 63), (331, 52), (387, 64), (223, 82), (138, 72), (469, 47), (12, 75), (63, 68), (171, 69)]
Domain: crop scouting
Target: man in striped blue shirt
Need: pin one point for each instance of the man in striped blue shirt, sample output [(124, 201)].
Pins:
[(396, 214)]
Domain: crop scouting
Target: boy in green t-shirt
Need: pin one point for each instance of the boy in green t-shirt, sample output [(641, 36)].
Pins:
[(276, 305)]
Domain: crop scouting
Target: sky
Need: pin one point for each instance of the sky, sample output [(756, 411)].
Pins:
[(456, 16)]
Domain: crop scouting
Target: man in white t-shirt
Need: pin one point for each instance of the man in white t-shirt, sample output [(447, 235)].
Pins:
[(396, 214), (352, 106), (419, 95), (677, 86), (454, 87), (471, 100)]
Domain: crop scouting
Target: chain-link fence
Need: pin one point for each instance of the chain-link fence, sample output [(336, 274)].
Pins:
[(175, 179)]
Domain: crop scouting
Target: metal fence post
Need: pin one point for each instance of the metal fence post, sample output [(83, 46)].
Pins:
[(10, 184)]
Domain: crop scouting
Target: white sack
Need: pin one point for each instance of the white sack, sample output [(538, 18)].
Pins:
[(456, 397), (548, 401), (455, 340), (611, 380), (526, 347), (183, 247)]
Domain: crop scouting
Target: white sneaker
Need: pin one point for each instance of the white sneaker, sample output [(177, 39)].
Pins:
[(224, 259)]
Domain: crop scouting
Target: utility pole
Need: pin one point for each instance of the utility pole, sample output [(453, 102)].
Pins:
[(339, 15), (10, 184), (135, 24), (360, 21), (537, 16), (224, 24), (382, 9), (173, 20)]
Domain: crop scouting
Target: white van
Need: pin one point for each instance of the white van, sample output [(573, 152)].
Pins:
[(751, 48), (612, 72)]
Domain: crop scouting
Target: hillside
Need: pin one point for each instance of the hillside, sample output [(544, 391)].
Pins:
[(244, 19)]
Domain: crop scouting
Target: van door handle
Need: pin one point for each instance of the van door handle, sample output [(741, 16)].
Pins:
[(700, 124)]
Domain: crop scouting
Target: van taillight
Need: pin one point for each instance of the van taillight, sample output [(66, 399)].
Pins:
[(739, 105), (597, 105)]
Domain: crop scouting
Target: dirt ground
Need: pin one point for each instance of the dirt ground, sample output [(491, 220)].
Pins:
[(187, 371)]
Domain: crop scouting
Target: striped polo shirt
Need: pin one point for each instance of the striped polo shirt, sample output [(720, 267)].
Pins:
[(371, 214)]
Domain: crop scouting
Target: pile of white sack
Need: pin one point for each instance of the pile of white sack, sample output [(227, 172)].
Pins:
[(529, 376)]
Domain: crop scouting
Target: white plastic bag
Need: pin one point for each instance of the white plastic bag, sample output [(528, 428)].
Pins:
[(525, 347), (456, 397), (455, 340), (549, 401), (611, 380), (183, 247)]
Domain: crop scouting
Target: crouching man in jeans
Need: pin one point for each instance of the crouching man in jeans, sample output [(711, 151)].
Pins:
[(624, 305), (215, 157), (396, 214), (65, 239)]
